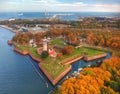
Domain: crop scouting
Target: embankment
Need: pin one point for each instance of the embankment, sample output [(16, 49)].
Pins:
[(6, 27), (53, 81), (57, 79), (95, 57), (73, 60), (25, 52)]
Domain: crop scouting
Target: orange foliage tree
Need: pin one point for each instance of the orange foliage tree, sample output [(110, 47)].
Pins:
[(90, 81), (67, 50), (113, 65)]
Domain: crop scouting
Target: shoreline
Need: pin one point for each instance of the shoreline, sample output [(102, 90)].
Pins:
[(57, 79), (25, 52), (95, 57), (53, 81), (73, 60), (6, 27)]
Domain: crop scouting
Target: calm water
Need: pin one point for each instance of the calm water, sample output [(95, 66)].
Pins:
[(17, 76), (74, 16)]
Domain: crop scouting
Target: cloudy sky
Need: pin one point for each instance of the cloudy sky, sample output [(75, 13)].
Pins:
[(60, 5)]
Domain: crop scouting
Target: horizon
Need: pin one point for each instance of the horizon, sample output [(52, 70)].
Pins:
[(60, 6), (57, 11)]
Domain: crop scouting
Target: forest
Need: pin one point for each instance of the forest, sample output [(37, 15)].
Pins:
[(97, 80), (103, 38), (86, 23)]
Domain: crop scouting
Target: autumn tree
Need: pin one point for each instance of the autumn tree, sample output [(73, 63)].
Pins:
[(90, 80), (59, 55), (67, 50), (113, 65)]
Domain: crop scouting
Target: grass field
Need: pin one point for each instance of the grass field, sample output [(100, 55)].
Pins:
[(57, 41), (53, 65), (21, 47), (89, 51)]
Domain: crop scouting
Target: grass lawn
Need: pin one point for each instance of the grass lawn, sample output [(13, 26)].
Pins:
[(78, 52), (57, 41), (89, 51), (22, 47), (33, 51), (53, 66)]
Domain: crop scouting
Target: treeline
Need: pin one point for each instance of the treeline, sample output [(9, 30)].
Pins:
[(33, 22), (95, 24), (103, 80), (104, 38), (89, 23), (24, 38)]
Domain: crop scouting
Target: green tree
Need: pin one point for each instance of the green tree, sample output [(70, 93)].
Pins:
[(44, 54)]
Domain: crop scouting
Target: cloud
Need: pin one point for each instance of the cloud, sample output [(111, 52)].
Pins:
[(45, 1), (55, 5), (105, 7), (71, 4)]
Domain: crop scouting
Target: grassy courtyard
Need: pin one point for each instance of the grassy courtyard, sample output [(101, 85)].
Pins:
[(88, 51), (54, 66), (57, 41)]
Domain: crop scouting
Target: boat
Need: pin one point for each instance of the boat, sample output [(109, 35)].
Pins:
[(99, 62), (10, 42), (80, 69), (20, 14), (12, 19)]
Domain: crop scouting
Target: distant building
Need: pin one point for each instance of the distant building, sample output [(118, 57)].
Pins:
[(25, 29), (100, 18), (82, 40), (60, 26), (32, 43), (52, 52)]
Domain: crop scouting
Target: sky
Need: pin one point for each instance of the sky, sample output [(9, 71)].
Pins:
[(60, 5)]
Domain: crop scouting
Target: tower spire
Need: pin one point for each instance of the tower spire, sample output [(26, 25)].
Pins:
[(46, 14)]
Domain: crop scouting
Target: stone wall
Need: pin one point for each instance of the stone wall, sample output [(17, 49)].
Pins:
[(25, 52), (6, 27), (56, 80), (35, 58), (73, 60), (95, 57)]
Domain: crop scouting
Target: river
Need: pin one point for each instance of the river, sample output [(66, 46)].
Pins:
[(17, 76)]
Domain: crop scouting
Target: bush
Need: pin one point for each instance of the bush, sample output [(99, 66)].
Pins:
[(60, 55), (44, 54), (67, 50), (88, 72)]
